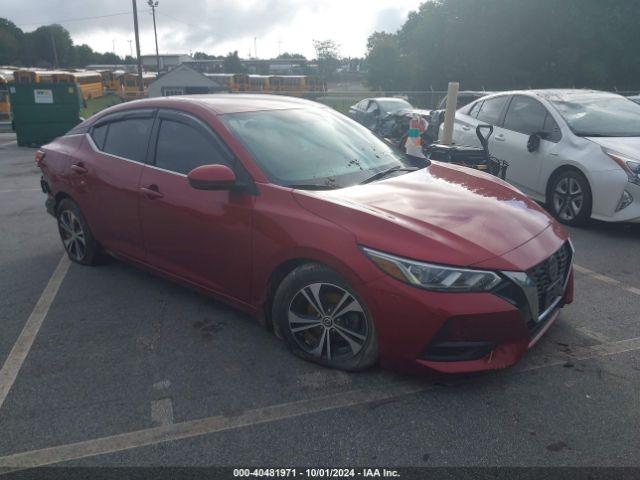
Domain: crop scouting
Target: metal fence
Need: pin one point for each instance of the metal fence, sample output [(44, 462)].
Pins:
[(341, 101)]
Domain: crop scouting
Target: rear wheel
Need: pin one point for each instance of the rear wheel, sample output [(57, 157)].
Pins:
[(323, 320), (569, 198), (75, 234)]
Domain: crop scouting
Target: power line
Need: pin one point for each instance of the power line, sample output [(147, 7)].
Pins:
[(178, 20), (77, 19)]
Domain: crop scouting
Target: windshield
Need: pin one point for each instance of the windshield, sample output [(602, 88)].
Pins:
[(392, 104), (600, 115), (313, 147)]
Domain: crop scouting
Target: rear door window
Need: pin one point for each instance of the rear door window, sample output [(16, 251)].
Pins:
[(491, 110), (129, 138)]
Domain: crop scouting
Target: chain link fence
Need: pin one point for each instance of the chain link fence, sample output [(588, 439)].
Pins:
[(341, 101)]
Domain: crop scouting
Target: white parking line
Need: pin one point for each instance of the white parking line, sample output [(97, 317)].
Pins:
[(21, 190), (605, 279), (20, 350), (205, 426)]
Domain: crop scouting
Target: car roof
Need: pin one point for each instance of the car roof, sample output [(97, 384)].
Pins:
[(224, 103), (558, 94), (388, 98)]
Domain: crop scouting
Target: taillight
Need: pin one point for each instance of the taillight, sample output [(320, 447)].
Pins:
[(39, 157)]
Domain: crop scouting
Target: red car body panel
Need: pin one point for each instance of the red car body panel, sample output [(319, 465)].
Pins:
[(232, 244)]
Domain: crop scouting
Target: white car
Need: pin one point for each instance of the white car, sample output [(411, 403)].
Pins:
[(577, 151)]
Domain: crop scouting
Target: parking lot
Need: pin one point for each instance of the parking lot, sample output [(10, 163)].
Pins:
[(118, 367)]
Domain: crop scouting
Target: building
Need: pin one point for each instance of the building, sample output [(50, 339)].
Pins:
[(183, 80), (167, 61), (274, 66)]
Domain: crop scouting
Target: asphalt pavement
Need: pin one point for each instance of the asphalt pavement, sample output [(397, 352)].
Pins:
[(128, 369)]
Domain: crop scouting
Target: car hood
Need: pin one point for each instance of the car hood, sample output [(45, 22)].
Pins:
[(629, 146), (443, 213)]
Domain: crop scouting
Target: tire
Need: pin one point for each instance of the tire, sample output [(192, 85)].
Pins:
[(569, 198), (346, 342), (76, 235)]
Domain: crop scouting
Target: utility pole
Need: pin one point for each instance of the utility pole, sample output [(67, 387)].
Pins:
[(255, 47), (135, 27), (55, 50), (130, 47), (113, 42), (153, 4)]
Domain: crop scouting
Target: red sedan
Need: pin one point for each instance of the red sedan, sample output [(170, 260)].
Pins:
[(292, 212)]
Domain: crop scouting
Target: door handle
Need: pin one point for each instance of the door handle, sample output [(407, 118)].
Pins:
[(151, 192), (499, 138), (79, 168), (466, 128)]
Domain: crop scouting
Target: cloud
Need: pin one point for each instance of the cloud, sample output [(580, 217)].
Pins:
[(390, 19), (216, 26), (193, 22)]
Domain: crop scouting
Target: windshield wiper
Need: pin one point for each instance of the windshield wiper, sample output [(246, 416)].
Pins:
[(384, 173), (312, 186)]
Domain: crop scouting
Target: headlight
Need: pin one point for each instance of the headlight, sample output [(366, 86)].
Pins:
[(629, 165), (434, 277)]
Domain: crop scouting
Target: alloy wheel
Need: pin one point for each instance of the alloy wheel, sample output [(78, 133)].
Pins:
[(72, 234), (568, 198), (328, 322)]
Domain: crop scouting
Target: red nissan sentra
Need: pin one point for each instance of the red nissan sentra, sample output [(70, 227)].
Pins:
[(294, 213)]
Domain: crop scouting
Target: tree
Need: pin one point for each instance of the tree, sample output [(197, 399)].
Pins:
[(505, 44), (327, 56), (232, 63), (201, 56), (10, 40), (384, 59), (48, 43), (291, 56)]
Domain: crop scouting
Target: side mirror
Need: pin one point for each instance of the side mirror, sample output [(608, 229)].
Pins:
[(212, 177), (533, 144)]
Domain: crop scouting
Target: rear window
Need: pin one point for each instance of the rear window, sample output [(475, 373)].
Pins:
[(129, 138), (99, 135)]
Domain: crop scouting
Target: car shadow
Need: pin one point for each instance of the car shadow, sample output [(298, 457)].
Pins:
[(613, 230)]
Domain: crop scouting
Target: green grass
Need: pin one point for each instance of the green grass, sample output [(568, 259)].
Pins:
[(96, 104)]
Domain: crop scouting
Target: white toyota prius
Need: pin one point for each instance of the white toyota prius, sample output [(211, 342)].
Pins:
[(577, 151)]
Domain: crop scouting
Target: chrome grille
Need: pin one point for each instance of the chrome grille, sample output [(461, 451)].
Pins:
[(550, 277)]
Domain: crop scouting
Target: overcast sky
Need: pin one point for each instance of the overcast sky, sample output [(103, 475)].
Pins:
[(217, 26)]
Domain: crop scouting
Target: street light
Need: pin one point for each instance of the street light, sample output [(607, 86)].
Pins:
[(153, 4)]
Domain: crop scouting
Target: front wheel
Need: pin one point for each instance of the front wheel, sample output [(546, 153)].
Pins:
[(569, 198), (323, 320)]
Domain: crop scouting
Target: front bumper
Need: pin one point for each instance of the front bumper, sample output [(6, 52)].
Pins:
[(420, 331)]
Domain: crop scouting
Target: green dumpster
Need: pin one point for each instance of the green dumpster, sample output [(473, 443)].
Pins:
[(44, 111)]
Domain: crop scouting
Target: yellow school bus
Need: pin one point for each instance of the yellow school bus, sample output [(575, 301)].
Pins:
[(26, 75), (90, 83), (290, 84), (5, 106), (130, 84), (315, 84), (234, 82), (113, 80), (258, 84)]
